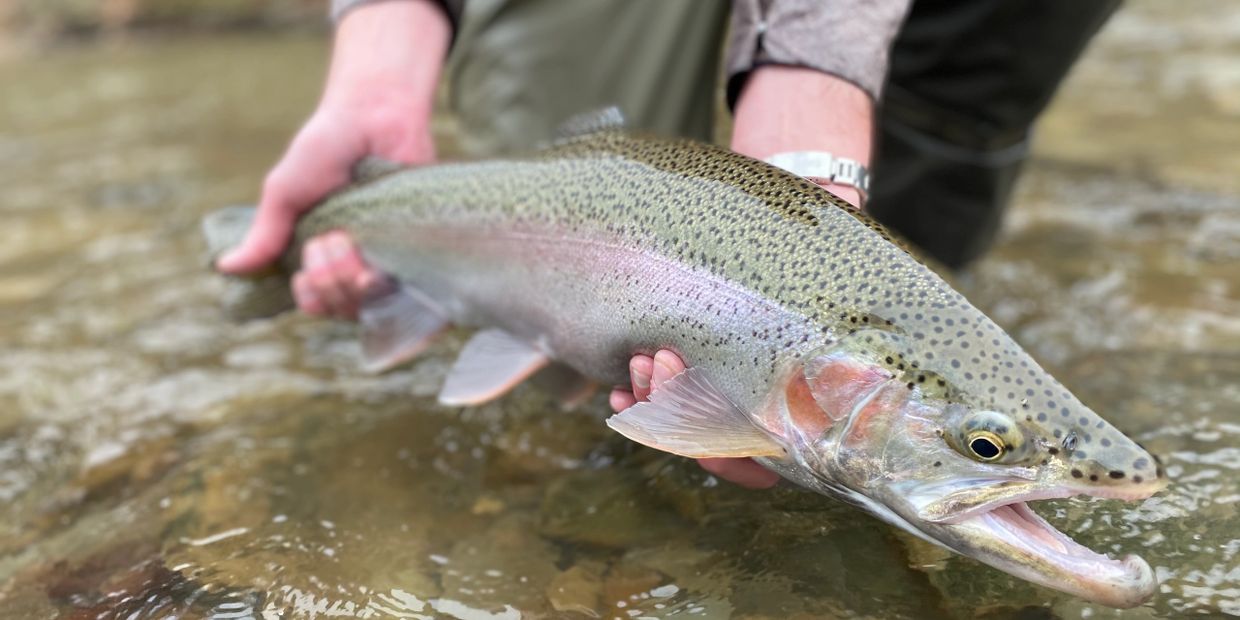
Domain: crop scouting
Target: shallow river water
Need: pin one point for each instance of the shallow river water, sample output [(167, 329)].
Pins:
[(156, 461)]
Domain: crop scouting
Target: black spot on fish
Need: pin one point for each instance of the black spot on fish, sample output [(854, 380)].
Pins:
[(938, 463), (1137, 479), (1053, 450), (1116, 474), (1093, 477), (1076, 473)]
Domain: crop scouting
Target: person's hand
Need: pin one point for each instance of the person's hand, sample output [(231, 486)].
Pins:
[(334, 278), (377, 101)]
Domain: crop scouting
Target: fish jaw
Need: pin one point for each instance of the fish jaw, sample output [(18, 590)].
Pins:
[(1018, 541), (990, 520)]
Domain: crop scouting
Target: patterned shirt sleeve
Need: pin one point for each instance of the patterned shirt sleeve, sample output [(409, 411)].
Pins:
[(847, 38)]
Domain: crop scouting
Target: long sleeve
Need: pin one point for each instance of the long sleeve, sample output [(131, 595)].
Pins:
[(847, 38)]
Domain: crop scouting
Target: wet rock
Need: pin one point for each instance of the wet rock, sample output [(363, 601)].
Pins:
[(539, 440), (577, 589), (608, 508), (506, 565), (625, 585)]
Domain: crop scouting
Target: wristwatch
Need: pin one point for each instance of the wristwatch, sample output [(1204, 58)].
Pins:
[(823, 167)]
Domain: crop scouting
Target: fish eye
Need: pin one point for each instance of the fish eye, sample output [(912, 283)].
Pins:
[(985, 445)]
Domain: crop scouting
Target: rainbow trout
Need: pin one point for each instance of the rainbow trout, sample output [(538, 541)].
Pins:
[(815, 344)]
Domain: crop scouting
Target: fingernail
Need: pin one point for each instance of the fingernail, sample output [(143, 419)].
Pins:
[(660, 358), (640, 380)]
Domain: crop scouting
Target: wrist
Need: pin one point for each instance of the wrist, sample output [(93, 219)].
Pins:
[(846, 193), (788, 109)]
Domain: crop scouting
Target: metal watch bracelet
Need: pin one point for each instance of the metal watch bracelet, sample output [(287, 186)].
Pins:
[(825, 166)]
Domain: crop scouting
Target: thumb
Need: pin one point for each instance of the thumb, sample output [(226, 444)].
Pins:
[(265, 241), (313, 167)]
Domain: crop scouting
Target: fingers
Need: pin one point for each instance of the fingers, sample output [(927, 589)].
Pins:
[(646, 374), (641, 370), (621, 399), (666, 365), (744, 472), (334, 279)]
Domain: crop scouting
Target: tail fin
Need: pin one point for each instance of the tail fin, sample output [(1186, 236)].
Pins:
[(255, 296)]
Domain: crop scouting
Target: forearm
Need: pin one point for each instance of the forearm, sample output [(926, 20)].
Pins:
[(387, 56), (783, 109)]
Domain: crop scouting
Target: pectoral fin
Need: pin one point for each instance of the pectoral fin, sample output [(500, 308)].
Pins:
[(690, 417), (396, 325), (491, 363)]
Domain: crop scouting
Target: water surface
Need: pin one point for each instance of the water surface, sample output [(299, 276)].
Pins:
[(156, 461)]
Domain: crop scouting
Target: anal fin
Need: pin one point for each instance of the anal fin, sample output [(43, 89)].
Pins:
[(490, 364), (690, 417), (396, 325)]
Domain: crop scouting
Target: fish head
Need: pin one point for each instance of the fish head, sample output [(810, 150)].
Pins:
[(921, 445)]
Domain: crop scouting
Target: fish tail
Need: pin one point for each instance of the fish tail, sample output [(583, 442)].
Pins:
[(254, 296)]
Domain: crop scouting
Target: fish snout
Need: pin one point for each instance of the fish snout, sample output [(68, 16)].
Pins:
[(1116, 468)]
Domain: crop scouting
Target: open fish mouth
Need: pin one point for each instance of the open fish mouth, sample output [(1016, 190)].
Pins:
[(1014, 538)]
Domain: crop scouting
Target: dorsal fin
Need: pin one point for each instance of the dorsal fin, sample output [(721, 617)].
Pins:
[(370, 168), (594, 121)]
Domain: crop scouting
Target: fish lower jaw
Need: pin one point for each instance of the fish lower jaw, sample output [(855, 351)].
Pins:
[(1044, 555)]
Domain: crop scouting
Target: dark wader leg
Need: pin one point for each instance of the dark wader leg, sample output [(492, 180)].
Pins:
[(968, 78), (520, 68)]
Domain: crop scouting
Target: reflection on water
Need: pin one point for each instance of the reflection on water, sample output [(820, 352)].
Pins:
[(156, 461)]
